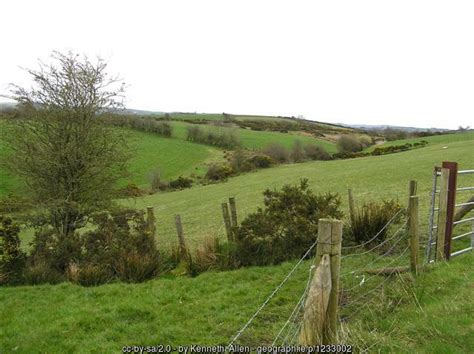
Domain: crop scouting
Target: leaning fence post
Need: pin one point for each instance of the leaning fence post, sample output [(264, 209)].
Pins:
[(150, 221), (413, 231), (329, 242), (316, 304), (183, 251), (227, 222), (442, 213), (233, 211)]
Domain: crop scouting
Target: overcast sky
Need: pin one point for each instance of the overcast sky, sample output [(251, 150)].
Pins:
[(407, 63)]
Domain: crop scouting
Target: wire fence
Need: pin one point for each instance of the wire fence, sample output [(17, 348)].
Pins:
[(357, 289)]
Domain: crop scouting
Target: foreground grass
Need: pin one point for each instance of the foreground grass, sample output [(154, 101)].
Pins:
[(431, 314), (371, 178)]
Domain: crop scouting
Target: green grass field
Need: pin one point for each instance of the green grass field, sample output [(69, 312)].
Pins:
[(435, 139), (431, 314), (259, 139), (371, 178), (173, 157)]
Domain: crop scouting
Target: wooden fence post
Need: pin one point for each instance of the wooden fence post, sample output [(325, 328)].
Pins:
[(329, 242), (453, 173), (183, 251), (316, 305), (442, 212), (227, 222), (413, 231), (412, 188), (233, 211), (150, 221), (351, 204)]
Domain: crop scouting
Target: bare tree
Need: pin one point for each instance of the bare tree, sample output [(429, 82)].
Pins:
[(68, 158)]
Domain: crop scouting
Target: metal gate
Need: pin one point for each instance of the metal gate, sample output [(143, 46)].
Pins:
[(442, 222)]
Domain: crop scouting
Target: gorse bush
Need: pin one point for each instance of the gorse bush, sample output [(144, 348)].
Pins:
[(316, 152), (181, 183), (370, 219), (218, 172), (244, 160), (286, 226), (216, 136), (12, 258)]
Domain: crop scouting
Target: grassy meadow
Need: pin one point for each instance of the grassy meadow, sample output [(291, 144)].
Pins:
[(429, 315), (371, 178)]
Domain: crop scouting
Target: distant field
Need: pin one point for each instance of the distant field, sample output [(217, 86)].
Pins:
[(435, 139), (373, 177), (258, 139), (173, 157)]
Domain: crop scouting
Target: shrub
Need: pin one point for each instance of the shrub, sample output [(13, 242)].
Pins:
[(41, 273), (211, 254), (132, 267), (218, 172), (13, 203), (240, 161), (277, 152), (349, 143), (371, 218), (12, 258), (298, 153), (88, 274), (316, 152), (181, 183), (55, 251), (286, 226), (261, 161), (222, 137), (131, 190), (365, 140)]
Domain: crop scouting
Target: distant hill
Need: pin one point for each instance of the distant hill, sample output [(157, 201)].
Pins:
[(381, 127)]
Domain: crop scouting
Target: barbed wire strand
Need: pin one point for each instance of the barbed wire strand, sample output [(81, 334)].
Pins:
[(376, 275), (239, 333), (392, 247), (302, 298), (372, 290), (378, 233), (377, 246)]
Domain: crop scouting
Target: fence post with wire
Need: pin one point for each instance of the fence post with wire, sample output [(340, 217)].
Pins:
[(320, 318)]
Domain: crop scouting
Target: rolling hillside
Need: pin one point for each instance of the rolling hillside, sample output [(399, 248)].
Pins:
[(374, 177)]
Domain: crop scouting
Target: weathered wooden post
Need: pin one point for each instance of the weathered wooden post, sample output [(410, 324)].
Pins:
[(413, 232), (316, 305), (233, 211), (329, 242), (150, 221), (351, 205), (227, 222), (183, 251), (442, 214), (412, 188), (453, 173)]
